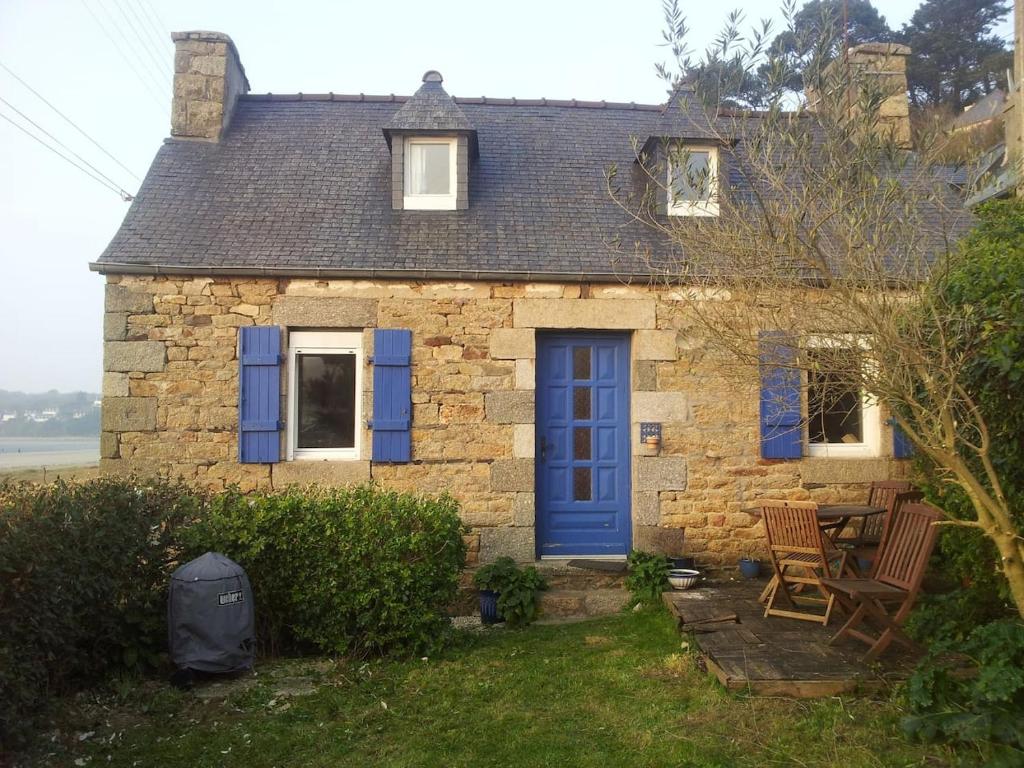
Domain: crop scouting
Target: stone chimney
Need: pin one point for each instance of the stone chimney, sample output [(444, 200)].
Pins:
[(208, 79), (888, 63)]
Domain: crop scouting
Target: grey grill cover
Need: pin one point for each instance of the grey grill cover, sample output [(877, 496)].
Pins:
[(210, 616)]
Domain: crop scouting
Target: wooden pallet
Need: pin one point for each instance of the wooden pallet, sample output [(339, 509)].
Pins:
[(774, 656)]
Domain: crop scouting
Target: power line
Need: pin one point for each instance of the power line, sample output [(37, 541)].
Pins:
[(113, 188), (123, 55), (69, 121), (153, 22), (60, 143), (148, 8), (158, 41), (144, 42), (129, 43)]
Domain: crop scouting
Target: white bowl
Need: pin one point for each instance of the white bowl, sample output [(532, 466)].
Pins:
[(683, 578)]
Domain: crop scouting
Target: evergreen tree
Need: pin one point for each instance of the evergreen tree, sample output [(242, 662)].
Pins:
[(956, 58)]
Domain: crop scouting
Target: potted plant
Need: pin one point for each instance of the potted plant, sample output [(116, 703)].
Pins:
[(750, 568), (508, 593)]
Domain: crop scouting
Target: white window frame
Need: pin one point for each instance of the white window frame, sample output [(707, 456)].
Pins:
[(431, 202), (870, 414), (323, 342), (694, 207)]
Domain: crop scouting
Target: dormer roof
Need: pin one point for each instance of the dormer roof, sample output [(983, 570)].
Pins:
[(429, 110)]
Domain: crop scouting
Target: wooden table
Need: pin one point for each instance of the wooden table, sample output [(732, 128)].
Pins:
[(834, 517)]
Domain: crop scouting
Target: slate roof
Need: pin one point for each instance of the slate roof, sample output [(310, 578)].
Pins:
[(429, 109), (987, 108), (300, 186)]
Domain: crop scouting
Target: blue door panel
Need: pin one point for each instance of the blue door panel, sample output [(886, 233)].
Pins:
[(583, 440)]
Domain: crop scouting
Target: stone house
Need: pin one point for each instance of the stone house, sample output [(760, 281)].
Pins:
[(425, 292)]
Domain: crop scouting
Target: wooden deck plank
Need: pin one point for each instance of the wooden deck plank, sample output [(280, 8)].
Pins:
[(776, 656)]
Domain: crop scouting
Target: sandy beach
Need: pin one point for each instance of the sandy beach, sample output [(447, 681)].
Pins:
[(20, 453)]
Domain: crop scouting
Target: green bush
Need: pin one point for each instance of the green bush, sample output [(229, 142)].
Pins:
[(356, 571), (983, 708), (84, 571), (647, 577), (983, 290), (517, 589), (83, 580)]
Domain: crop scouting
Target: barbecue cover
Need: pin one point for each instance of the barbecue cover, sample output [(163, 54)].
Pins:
[(211, 623)]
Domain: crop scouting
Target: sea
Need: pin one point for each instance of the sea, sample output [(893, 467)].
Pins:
[(36, 452)]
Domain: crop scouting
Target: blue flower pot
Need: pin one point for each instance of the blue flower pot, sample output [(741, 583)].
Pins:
[(489, 613), (750, 569)]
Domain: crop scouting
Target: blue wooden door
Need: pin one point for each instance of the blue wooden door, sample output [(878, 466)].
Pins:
[(583, 468)]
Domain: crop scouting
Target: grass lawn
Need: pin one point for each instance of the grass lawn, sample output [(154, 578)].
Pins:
[(621, 691)]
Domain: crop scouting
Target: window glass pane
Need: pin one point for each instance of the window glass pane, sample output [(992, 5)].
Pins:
[(581, 484), (691, 176), (834, 406), (581, 443), (581, 403), (429, 170), (581, 362), (326, 401)]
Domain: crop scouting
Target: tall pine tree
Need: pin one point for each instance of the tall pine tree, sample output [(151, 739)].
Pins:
[(956, 57)]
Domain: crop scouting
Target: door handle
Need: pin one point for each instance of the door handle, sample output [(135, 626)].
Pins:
[(543, 448)]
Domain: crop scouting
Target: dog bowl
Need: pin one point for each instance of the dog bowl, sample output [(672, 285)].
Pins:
[(683, 578)]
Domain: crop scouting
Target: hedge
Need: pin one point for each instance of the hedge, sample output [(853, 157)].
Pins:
[(84, 571), (83, 574)]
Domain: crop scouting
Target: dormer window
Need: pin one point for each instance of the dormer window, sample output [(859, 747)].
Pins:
[(432, 143), (430, 173), (692, 183)]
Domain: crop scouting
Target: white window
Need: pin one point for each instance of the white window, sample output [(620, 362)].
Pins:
[(325, 377), (692, 181), (430, 174), (842, 419)]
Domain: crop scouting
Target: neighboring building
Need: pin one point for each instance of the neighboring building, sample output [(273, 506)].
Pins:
[(297, 268), (986, 111)]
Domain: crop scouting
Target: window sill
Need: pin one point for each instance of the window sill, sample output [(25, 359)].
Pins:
[(842, 451), (840, 471), (693, 209), (325, 455), (429, 203)]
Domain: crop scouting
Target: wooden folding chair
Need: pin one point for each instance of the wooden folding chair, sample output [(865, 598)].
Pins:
[(801, 555), (869, 549), (869, 533), (885, 599)]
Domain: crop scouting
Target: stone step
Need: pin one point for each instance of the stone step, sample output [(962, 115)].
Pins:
[(560, 575), (562, 604)]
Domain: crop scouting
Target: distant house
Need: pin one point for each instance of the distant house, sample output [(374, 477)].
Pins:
[(988, 110), (9, 416), (424, 291)]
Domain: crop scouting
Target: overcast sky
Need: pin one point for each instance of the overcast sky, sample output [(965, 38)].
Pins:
[(107, 65)]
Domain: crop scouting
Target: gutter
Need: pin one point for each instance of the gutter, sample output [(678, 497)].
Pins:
[(116, 268)]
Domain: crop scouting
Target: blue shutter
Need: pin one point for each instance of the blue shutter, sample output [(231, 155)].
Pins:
[(902, 448), (259, 394), (781, 432), (392, 396)]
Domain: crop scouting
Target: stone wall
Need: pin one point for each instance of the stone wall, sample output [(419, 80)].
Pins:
[(170, 394)]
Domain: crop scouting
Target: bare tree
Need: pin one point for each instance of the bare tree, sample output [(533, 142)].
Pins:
[(821, 236)]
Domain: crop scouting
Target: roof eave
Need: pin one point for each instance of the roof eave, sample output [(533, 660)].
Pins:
[(122, 268)]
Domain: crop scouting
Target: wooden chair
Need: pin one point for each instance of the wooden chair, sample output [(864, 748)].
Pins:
[(885, 599), (869, 533), (801, 555), (869, 549)]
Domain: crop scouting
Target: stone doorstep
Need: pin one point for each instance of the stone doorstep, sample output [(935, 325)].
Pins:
[(561, 604)]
